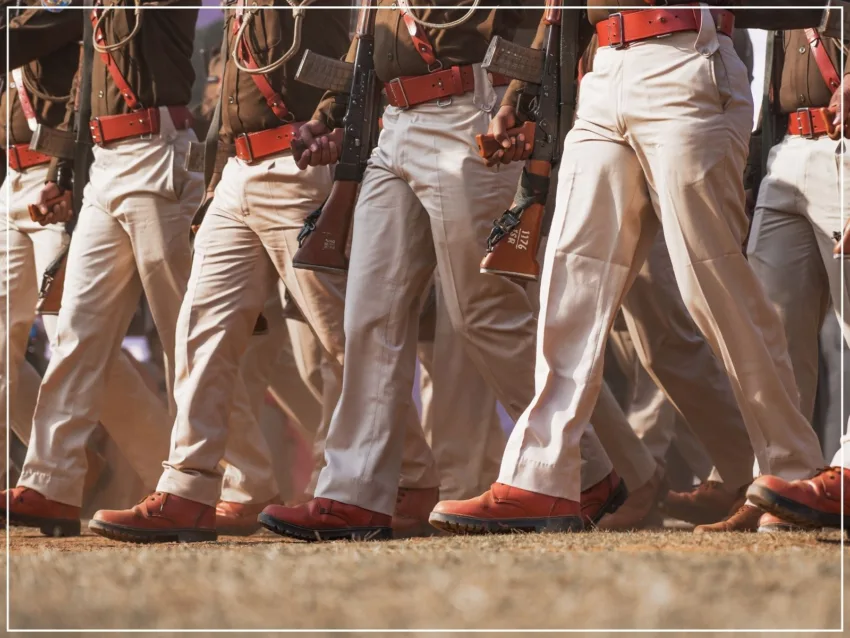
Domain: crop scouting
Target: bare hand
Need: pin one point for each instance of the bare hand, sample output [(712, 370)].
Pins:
[(321, 148), (514, 148), (841, 119), (52, 212)]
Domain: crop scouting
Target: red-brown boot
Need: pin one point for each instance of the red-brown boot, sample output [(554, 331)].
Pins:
[(769, 523), (28, 508), (812, 503), (323, 519), (238, 519), (158, 518), (412, 508), (640, 511), (603, 498), (709, 503), (504, 508), (744, 519)]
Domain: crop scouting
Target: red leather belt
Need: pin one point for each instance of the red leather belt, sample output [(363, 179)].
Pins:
[(253, 147), (623, 28), (809, 122), (111, 128), (409, 91), (22, 157)]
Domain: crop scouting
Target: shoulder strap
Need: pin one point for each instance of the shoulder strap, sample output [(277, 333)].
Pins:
[(24, 99), (273, 98), (420, 39), (120, 81), (822, 59)]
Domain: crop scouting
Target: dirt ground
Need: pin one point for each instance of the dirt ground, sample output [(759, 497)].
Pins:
[(671, 579)]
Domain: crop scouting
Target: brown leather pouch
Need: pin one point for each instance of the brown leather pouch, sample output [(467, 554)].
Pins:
[(66, 196), (52, 285)]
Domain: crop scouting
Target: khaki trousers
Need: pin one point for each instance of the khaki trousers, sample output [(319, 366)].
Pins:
[(459, 414), (131, 237), (244, 246), (427, 201), (668, 136), (790, 249), (681, 363)]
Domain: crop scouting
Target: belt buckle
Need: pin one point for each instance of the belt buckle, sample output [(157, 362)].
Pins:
[(96, 128), (799, 115), (147, 116), (621, 42), (248, 148), (397, 82)]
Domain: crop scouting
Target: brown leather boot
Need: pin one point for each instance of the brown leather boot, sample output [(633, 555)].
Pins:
[(238, 519), (158, 518), (602, 499), (813, 503), (769, 523), (504, 508), (323, 519), (745, 519), (709, 503), (28, 508), (640, 511), (412, 508)]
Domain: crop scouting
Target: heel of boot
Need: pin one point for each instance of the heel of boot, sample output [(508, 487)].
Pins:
[(58, 529), (197, 536)]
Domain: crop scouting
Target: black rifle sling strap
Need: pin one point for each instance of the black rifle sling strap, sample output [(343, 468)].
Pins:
[(211, 141)]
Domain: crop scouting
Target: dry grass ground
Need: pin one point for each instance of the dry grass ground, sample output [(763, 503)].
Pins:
[(670, 579)]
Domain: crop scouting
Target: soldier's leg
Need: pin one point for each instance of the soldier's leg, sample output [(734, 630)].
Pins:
[(102, 288), (461, 417), (682, 364), (694, 162)]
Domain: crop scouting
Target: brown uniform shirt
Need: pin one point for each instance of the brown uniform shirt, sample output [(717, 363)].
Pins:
[(157, 62), (244, 109), (396, 55), (800, 81), (48, 62)]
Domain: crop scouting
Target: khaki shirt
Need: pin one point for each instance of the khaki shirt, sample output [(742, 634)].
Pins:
[(396, 55), (800, 81), (48, 59), (244, 109)]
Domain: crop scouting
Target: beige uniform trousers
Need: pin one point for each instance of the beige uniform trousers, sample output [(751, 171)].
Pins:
[(459, 414), (427, 201), (663, 129), (244, 246), (132, 237), (681, 363), (790, 249)]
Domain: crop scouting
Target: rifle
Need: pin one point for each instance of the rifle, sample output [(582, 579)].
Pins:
[(53, 280), (550, 76), (323, 239)]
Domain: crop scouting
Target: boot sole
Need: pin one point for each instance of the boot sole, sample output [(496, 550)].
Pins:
[(282, 528), (54, 527), (135, 535), (615, 500), (792, 511), (457, 524)]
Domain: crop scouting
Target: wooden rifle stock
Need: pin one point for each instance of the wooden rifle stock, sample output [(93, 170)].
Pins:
[(324, 248), (487, 144), (65, 196)]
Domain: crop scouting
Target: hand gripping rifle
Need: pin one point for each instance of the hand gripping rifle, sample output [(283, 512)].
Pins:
[(324, 237), (550, 76)]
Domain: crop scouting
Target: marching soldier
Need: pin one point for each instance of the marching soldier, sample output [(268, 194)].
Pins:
[(666, 143), (426, 202), (131, 237), (45, 59), (795, 244)]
